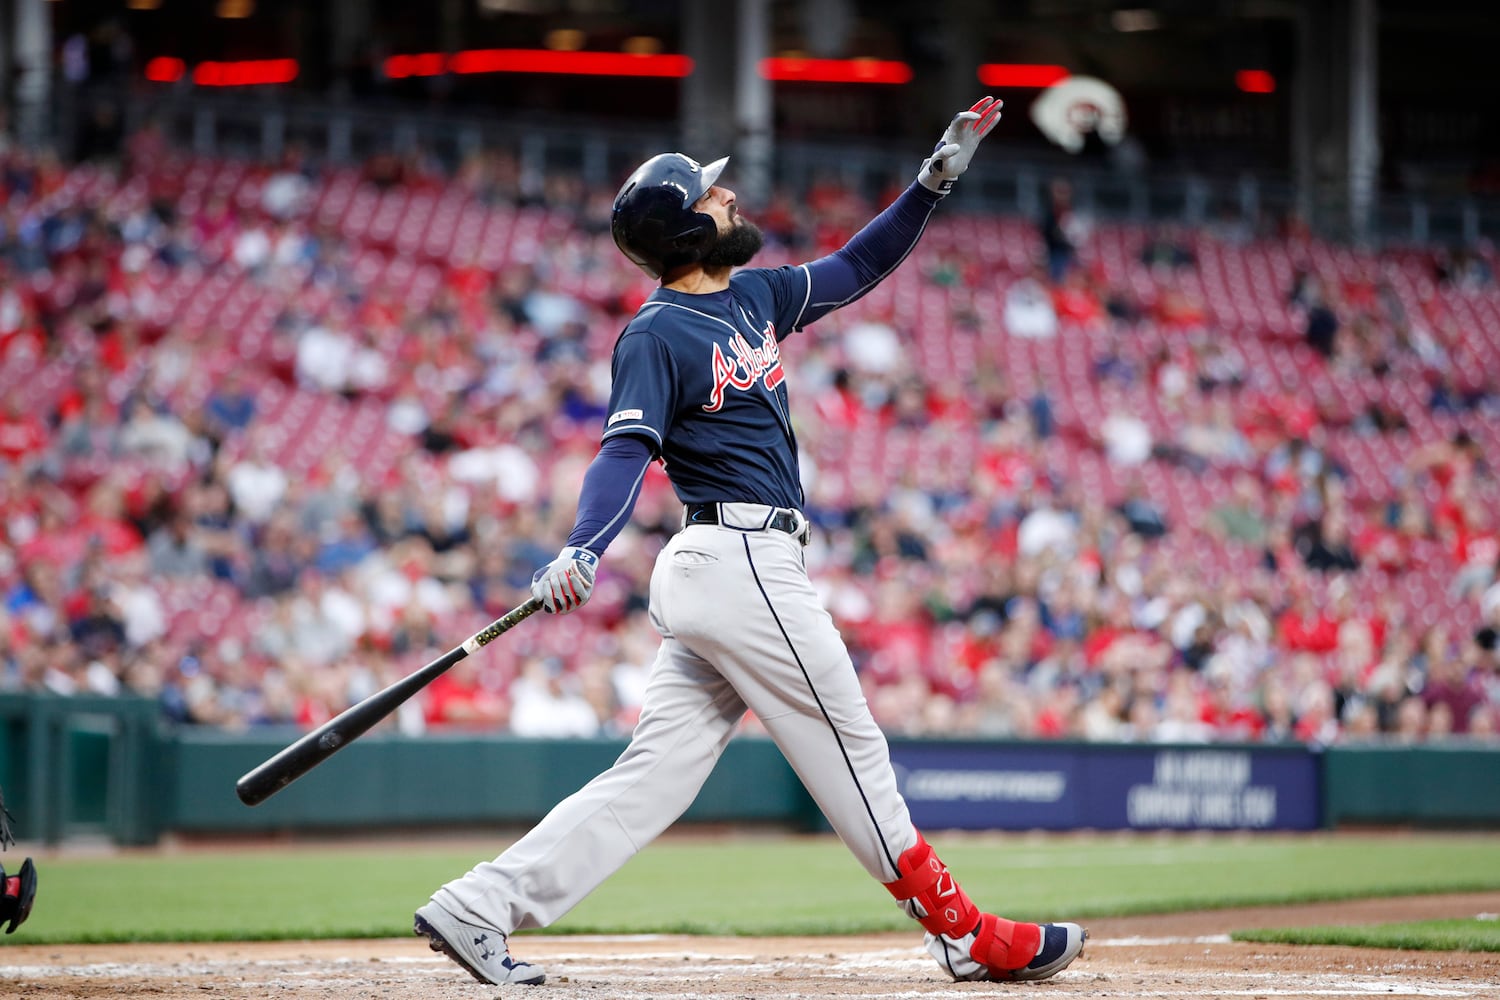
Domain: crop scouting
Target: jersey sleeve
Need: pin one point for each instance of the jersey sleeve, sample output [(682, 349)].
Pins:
[(870, 255), (611, 487), (788, 288), (642, 396)]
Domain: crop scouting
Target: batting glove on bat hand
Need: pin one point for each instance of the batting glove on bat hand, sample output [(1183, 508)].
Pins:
[(565, 583), (954, 150)]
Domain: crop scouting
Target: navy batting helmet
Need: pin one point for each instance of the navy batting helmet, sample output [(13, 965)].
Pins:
[(653, 219)]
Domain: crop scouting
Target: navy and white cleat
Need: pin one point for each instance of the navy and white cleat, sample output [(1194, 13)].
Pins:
[(480, 950), (1061, 943)]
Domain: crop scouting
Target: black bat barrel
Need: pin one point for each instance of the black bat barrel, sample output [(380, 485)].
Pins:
[(255, 786)]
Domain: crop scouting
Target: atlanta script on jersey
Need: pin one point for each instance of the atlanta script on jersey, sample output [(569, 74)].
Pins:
[(700, 377)]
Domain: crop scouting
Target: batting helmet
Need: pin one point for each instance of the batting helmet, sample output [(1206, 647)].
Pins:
[(653, 219)]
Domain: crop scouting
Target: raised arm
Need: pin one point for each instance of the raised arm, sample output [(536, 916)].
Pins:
[(877, 249)]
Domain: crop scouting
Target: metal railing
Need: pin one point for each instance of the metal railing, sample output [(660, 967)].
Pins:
[(601, 152)]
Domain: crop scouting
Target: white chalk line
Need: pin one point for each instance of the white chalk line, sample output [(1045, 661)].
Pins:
[(632, 974)]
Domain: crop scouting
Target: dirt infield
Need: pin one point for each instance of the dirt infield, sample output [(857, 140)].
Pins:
[(1178, 955)]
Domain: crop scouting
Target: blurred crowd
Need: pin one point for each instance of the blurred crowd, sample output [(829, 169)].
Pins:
[(159, 536)]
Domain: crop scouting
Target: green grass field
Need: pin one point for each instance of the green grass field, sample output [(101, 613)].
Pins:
[(747, 885), (1421, 935)]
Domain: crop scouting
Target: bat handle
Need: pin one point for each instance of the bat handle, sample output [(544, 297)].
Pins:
[(500, 626)]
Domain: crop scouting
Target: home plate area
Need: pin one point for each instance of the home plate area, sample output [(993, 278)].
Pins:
[(1180, 955)]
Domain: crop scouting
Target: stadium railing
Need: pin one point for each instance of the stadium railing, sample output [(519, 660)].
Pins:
[(602, 151)]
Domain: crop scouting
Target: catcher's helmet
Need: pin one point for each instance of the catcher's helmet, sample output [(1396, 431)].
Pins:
[(653, 219)]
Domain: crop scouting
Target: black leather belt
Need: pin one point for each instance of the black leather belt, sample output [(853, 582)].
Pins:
[(708, 513)]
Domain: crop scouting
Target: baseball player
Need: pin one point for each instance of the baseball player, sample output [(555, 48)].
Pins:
[(18, 891), (698, 383)]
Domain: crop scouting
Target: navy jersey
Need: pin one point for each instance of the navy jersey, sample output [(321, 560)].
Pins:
[(700, 378)]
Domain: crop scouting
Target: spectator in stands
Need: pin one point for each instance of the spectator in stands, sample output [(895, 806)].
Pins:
[(1167, 248), (1476, 547), (1142, 515), (279, 559), (1461, 268), (1457, 458), (1209, 437), (1217, 366), (98, 629), (23, 436), (1486, 656), (1451, 692), (250, 248), (1062, 229), (175, 549), (1317, 721), (231, 404), (1029, 312), (286, 191), (1126, 438), (1077, 302), (1176, 308), (1241, 517), (325, 357), (461, 697), (1320, 320), (255, 481), (547, 703), (1111, 365), (1324, 542), (157, 437)]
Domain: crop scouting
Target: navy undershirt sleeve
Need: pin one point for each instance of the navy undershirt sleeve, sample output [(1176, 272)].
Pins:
[(611, 487), (871, 254)]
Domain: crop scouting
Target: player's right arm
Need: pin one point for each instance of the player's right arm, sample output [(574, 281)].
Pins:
[(876, 250), (640, 399)]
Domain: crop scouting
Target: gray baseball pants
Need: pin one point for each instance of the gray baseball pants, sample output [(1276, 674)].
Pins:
[(742, 628)]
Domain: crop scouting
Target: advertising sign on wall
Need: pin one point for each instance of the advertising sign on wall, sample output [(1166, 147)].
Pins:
[(988, 786)]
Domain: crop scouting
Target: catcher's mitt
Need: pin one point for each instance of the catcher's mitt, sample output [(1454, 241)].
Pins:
[(19, 890), (16, 895)]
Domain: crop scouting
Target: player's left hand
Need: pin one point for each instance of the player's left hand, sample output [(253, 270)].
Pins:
[(956, 147), (565, 584)]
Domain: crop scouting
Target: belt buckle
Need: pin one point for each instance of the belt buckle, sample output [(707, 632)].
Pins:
[(804, 533)]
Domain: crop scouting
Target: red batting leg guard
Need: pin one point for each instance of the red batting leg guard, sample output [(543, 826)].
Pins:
[(1004, 945), (925, 879)]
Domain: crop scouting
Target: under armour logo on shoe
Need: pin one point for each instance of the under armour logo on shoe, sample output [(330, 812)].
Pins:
[(485, 951)]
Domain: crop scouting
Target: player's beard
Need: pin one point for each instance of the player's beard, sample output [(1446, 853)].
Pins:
[(735, 248)]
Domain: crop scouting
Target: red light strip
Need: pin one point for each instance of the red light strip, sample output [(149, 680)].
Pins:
[(1255, 81), (401, 67), (249, 73), (835, 70), (568, 63), (422, 64), (1021, 74), (165, 69), (168, 69)]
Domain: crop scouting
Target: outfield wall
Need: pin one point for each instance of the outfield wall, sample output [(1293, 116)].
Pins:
[(107, 767)]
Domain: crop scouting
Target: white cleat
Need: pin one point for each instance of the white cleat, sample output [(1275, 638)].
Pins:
[(480, 950)]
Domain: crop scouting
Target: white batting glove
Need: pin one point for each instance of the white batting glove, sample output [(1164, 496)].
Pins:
[(954, 150), (565, 583)]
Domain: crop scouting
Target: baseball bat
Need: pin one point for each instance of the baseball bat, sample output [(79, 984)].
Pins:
[(254, 787)]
